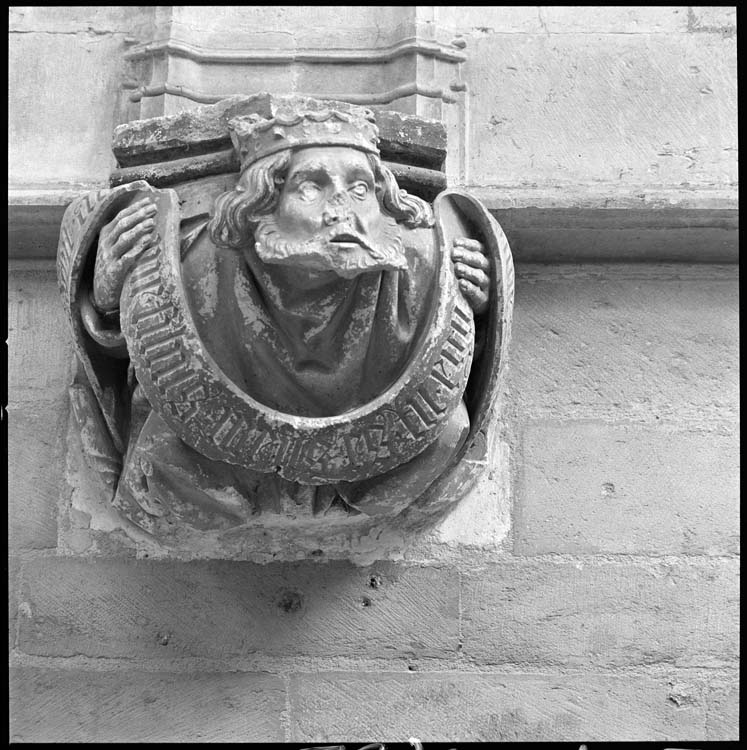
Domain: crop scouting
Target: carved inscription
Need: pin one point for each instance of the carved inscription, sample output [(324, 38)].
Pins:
[(276, 303), (220, 423), (68, 257)]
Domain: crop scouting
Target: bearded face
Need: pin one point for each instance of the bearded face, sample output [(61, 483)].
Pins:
[(328, 218)]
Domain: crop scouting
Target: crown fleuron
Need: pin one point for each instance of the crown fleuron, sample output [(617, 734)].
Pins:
[(255, 137)]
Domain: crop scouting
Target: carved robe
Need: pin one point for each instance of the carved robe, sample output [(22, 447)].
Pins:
[(311, 352), (301, 351)]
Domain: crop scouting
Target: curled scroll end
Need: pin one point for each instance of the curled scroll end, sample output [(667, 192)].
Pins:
[(112, 340), (98, 448)]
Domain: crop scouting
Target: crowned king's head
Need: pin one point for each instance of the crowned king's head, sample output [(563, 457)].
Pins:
[(255, 137), (266, 148)]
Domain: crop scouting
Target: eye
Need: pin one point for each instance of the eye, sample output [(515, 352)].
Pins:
[(359, 190), (309, 190)]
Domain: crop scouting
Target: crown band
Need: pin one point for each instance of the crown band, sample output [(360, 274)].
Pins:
[(254, 137)]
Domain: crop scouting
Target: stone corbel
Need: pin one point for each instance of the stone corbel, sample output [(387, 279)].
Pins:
[(202, 453)]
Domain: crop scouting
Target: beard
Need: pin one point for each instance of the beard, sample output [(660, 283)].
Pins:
[(342, 249)]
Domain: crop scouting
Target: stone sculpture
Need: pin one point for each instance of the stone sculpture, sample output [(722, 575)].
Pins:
[(308, 343)]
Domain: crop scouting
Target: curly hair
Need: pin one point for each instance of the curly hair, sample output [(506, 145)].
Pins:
[(258, 190)]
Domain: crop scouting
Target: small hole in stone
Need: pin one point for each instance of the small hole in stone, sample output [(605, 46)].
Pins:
[(317, 552), (278, 469), (608, 489), (290, 601), (366, 602), (412, 668), (375, 581)]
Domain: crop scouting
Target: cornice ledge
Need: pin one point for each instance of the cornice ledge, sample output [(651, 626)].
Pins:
[(407, 46)]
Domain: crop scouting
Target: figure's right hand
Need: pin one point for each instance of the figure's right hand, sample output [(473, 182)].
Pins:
[(121, 242)]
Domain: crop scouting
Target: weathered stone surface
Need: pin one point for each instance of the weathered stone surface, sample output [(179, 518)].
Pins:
[(719, 19), (155, 320), (35, 474), (283, 27), (637, 342), (665, 84), (71, 705), (14, 571), (284, 49), (589, 488), (198, 131), (612, 20), (482, 518), (176, 171), (38, 339), (602, 614), (631, 235), (411, 140), (644, 231), (667, 41), (637, 134), (70, 19), (489, 707), (480, 21), (425, 183), (70, 143), (34, 228), (389, 410), (403, 138), (723, 710), (224, 610)]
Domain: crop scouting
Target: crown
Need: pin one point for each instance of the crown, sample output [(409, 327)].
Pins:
[(254, 136)]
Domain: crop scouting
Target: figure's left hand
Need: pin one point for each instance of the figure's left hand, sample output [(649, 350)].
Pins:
[(471, 267)]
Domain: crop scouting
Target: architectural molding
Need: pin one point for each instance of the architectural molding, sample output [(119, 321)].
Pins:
[(385, 97), (202, 55), (538, 232)]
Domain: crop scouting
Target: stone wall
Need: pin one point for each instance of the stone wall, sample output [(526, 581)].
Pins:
[(597, 596)]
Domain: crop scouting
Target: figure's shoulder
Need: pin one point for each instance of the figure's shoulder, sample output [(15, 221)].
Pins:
[(199, 254), (421, 243), (196, 245), (208, 270)]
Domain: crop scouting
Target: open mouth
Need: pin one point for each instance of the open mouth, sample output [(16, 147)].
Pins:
[(346, 238)]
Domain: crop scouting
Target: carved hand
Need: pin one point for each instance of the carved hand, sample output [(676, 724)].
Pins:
[(471, 267), (121, 242)]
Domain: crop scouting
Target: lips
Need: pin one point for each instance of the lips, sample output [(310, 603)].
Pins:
[(348, 238)]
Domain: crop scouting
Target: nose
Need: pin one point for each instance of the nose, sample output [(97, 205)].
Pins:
[(336, 209)]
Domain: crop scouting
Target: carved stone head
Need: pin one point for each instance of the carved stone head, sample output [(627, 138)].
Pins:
[(315, 196), (304, 367)]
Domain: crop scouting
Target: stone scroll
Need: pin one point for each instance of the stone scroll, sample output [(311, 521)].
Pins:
[(216, 418), (273, 334)]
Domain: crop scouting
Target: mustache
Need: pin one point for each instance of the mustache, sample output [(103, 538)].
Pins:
[(346, 233), (325, 249)]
